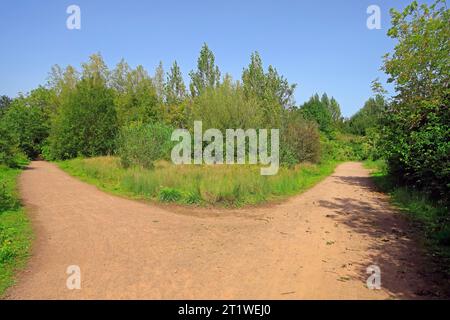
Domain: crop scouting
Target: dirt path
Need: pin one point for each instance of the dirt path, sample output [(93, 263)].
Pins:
[(316, 245)]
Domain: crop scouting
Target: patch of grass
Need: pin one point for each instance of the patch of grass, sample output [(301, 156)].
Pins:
[(433, 218), (15, 229), (206, 185)]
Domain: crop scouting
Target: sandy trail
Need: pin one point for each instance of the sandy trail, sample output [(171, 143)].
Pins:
[(316, 245)]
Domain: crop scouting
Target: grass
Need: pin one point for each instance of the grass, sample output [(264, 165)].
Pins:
[(218, 185), (433, 219), (15, 229)]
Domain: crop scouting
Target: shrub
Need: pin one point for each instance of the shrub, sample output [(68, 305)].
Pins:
[(10, 154), (300, 140), (142, 144)]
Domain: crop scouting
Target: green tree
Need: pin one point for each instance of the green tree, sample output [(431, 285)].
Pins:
[(86, 123), (273, 91), (159, 82), (27, 124), (415, 136), (207, 74), (135, 99), (368, 117), (119, 77), (5, 102), (175, 88), (315, 109), (226, 107)]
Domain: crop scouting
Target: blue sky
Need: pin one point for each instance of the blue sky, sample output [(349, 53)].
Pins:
[(322, 45)]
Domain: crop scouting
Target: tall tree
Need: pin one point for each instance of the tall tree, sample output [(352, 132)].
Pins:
[(136, 99), (119, 76), (158, 81), (207, 74), (175, 88), (95, 69)]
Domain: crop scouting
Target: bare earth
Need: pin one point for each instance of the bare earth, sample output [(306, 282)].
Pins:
[(314, 246)]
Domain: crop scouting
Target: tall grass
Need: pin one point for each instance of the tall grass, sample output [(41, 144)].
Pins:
[(221, 185), (15, 230)]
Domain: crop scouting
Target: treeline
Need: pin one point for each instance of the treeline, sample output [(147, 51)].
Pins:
[(97, 111)]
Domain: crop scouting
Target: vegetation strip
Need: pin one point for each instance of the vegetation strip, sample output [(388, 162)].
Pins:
[(15, 229)]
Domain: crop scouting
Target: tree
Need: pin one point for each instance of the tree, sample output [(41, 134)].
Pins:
[(86, 123), (27, 124), (368, 117), (95, 69), (175, 88), (335, 110), (417, 123), (119, 77), (136, 101), (272, 90), (5, 102), (158, 81), (314, 109), (226, 107), (207, 74)]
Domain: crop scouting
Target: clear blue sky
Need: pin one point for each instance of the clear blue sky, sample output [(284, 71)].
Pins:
[(322, 45)]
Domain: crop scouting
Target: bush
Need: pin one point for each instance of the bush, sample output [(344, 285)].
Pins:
[(10, 154), (142, 144), (300, 140)]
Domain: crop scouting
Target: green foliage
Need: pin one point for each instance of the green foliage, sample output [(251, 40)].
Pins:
[(27, 123), (10, 153), (169, 195), (175, 89), (15, 230), (416, 127), (86, 123), (346, 147), (5, 102), (142, 144), (207, 74), (135, 97), (300, 139), (368, 117), (272, 91), (325, 112), (226, 107)]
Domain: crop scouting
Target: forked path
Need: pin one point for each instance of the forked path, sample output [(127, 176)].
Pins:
[(315, 245)]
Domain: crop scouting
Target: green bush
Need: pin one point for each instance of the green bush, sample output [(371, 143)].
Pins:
[(142, 144), (299, 141), (10, 154)]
